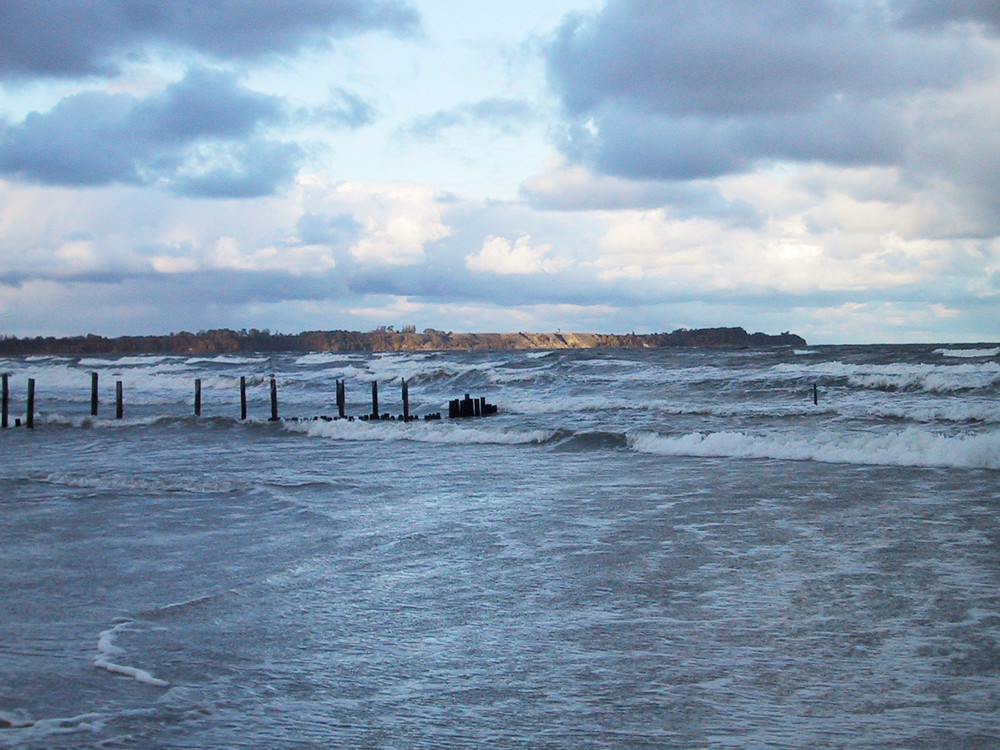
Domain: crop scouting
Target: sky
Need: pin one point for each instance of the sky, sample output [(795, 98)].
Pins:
[(828, 167)]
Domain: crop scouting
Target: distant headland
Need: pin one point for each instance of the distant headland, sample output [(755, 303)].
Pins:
[(385, 339)]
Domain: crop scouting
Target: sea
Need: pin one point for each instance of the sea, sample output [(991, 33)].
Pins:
[(672, 548)]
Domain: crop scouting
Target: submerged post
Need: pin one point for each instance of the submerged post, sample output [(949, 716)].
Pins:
[(31, 403), (406, 401), (341, 397), (375, 399), (197, 397), (243, 397), (6, 401), (93, 394), (119, 406), (274, 399), (815, 394)]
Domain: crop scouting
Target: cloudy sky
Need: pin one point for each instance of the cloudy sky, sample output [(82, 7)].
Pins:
[(830, 167)]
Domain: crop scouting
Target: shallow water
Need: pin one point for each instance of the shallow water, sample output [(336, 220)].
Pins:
[(643, 549)]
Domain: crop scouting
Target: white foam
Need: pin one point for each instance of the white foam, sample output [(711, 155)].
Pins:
[(142, 360), (132, 482), (320, 358), (24, 732), (955, 412), (434, 431), (226, 359), (968, 353), (901, 376), (106, 649), (909, 447)]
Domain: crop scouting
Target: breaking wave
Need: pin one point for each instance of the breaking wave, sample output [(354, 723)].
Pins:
[(909, 447)]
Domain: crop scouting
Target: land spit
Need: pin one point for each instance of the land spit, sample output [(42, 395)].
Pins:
[(224, 341)]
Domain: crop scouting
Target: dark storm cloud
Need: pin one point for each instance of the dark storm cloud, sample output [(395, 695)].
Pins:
[(197, 136), (688, 89), (504, 114), (683, 199), (69, 38), (249, 169)]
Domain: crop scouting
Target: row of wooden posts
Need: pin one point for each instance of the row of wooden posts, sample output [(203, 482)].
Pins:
[(466, 407)]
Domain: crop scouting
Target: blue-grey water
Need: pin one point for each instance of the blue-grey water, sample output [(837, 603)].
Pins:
[(643, 549)]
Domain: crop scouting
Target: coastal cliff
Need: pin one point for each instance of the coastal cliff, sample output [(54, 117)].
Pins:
[(224, 341)]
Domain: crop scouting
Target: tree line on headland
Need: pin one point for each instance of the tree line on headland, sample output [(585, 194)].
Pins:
[(384, 339)]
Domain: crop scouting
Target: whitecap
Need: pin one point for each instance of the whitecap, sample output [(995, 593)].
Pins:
[(968, 353), (909, 447), (433, 431)]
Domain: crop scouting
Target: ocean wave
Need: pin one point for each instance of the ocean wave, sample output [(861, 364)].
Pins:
[(969, 353), (588, 441), (326, 358), (901, 376), (133, 483), (140, 360), (947, 413), (26, 732), (435, 431), (909, 447)]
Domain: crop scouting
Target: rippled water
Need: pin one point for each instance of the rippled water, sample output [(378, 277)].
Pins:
[(643, 549)]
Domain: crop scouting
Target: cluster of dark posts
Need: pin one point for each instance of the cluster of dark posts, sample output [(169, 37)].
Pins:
[(458, 408)]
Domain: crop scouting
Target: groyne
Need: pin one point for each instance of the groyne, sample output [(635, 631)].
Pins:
[(457, 408)]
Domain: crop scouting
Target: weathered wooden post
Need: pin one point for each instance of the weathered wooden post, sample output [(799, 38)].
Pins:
[(6, 401), (406, 401), (93, 394), (197, 397), (815, 394), (375, 414), (274, 399), (119, 405), (243, 397), (31, 403), (341, 397)]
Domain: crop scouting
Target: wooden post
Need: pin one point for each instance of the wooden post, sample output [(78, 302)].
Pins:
[(243, 397), (375, 414), (119, 406), (815, 394), (274, 399), (341, 397), (197, 397), (31, 403), (93, 394), (6, 400), (406, 402)]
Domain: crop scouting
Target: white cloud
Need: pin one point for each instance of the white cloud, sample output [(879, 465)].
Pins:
[(77, 254), (173, 264), (398, 220), (499, 256), (290, 260)]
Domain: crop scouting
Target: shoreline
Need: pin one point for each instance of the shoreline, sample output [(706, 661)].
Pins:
[(225, 341)]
